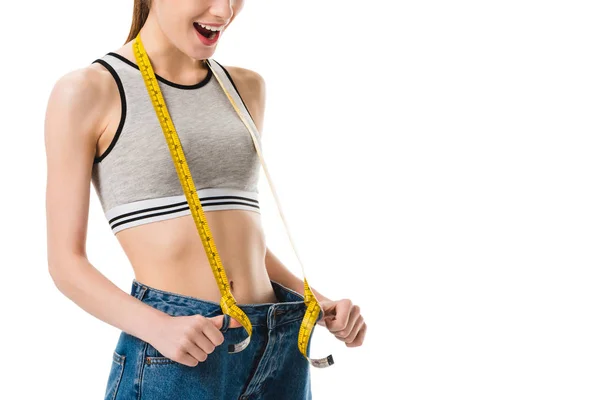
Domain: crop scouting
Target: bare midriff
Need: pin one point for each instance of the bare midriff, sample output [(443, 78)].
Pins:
[(169, 255)]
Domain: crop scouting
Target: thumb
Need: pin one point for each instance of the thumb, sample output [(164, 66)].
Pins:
[(326, 320), (329, 309), (218, 321)]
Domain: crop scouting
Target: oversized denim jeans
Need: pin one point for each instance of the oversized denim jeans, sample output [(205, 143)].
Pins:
[(270, 368)]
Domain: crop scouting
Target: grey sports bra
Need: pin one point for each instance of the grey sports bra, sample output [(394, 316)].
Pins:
[(135, 179)]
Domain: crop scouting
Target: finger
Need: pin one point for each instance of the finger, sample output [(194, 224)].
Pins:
[(343, 317), (187, 359), (201, 342), (353, 332), (354, 316), (360, 338), (325, 320), (195, 351), (219, 320), (211, 327), (342, 314)]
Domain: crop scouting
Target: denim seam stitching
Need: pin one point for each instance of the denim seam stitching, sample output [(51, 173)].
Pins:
[(215, 303), (261, 388), (118, 358), (121, 367), (257, 377), (248, 383), (178, 295), (290, 291), (289, 322), (142, 354), (159, 360)]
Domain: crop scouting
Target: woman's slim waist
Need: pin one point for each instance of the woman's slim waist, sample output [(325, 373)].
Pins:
[(249, 282), (288, 305)]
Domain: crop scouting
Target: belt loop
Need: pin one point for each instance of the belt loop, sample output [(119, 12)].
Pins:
[(141, 291), (271, 322), (225, 326)]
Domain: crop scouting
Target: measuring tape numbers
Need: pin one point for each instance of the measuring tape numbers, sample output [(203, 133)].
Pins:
[(228, 302)]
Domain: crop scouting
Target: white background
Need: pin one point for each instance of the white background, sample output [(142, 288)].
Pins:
[(438, 164)]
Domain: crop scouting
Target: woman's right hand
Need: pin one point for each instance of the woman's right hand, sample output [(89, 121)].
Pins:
[(190, 339)]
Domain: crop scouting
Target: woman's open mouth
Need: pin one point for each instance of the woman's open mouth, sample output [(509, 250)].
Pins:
[(207, 36)]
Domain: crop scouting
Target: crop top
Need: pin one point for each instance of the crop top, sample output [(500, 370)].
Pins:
[(135, 178)]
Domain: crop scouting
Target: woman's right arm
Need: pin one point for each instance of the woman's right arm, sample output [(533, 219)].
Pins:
[(76, 115)]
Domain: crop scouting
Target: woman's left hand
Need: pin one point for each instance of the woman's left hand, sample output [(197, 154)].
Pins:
[(344, 320)]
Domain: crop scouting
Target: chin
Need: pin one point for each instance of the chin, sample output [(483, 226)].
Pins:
[(201, 54)]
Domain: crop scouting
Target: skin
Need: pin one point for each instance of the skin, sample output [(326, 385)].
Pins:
[(82, 116)]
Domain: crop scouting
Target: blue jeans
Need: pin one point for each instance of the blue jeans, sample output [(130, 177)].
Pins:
[(271, 367)]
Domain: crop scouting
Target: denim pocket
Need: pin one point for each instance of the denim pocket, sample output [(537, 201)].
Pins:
[(114, 377), (153, 356), (160, 376)]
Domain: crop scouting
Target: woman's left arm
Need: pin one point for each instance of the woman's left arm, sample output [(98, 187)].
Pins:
[(341, 317)]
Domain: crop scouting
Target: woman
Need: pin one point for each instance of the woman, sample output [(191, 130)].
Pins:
[(101, 126)]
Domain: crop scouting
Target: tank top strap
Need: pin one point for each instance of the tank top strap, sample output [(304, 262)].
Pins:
[(232, 89), (121, 69), (115, 63)]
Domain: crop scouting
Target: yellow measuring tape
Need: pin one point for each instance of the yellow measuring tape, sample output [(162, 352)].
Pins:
[(228, 302)]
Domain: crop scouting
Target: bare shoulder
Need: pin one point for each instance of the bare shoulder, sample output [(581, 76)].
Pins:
[(82, 97), (252, 88), (88, 84), (247, 77)]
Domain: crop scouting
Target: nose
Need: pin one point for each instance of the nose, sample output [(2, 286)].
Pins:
[(222, 9)]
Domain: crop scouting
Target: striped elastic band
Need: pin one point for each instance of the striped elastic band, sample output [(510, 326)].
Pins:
[(158, 209)]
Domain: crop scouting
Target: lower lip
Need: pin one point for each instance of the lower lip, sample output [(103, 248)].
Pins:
[(207, 41)]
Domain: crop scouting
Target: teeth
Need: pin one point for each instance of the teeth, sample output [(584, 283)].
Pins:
[(210, 28)]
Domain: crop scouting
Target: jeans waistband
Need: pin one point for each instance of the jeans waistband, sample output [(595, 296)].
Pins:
[(289, 308)]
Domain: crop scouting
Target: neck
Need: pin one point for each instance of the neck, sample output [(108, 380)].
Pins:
[(167, 60)]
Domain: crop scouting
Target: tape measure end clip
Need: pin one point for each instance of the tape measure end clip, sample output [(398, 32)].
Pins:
[(237, 347), (322, 362)]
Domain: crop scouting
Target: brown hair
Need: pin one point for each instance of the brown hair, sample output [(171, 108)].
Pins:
[(141, 9)]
